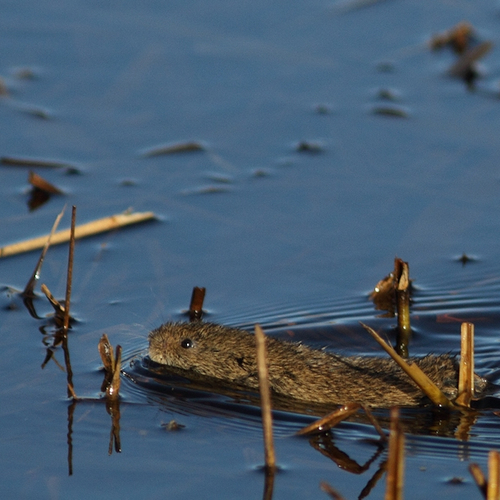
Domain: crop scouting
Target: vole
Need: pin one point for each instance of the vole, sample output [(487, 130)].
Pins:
[(297, 371)]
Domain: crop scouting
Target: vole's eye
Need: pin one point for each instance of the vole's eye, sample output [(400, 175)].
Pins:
[(187, 343)]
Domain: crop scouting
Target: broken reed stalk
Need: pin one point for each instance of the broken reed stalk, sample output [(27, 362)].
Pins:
[(58, 308), (430, 389), (82, 231), (402, 274), (490, 488), (196, 305), (265, 399), (479, 478), (493, 488), (30, 286), (466, 370), (395, 461), (112, 365), (330, 420), (69, 279), (69, 371)]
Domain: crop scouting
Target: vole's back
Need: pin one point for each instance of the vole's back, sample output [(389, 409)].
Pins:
[(295, 370)]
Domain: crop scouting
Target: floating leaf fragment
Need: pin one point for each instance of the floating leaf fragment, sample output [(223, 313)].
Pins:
[(391, 111), (175, 148)]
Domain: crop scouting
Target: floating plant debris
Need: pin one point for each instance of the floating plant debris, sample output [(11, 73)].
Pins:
[(82, 231), (38, 182), (221, 178), (4, 91), (175, 148), (323, 109), (462, 41), (25, 73), (392, 111), (465, 259), (13, 161), (41, 192), (206, 190), (387, 94), (458, 38), (173, 426), (309, 147), (465, 66)]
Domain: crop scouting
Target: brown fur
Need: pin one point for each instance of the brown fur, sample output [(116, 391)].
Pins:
[(295, 370)]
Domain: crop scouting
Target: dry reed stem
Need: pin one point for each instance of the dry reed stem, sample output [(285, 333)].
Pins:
[(330, 491), (395, 462), (69, 278), (402, 272), (82, 231), (265, 398), (478, 476), (28, 289), (58, 307), (427, 386), (493, 488), (112, 366), (114, 388), (330, 420), (196, 305), (466, 370)]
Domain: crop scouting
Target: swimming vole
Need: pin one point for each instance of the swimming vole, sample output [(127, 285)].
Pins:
[(298, 371)]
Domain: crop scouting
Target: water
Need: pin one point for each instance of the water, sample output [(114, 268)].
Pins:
[(289, 239)]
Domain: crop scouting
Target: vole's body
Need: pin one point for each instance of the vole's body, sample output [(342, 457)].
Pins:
[(295, 370)]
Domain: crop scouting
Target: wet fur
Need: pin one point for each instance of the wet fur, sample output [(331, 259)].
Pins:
[(295, 370)]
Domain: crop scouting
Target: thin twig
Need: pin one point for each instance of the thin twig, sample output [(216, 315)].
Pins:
[(69, 280), (265, 398), (29, 288)]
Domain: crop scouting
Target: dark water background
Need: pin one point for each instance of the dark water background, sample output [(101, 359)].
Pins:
[(276, 236)]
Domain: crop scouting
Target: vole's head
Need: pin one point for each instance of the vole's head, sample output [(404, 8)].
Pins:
[(205, 348)]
